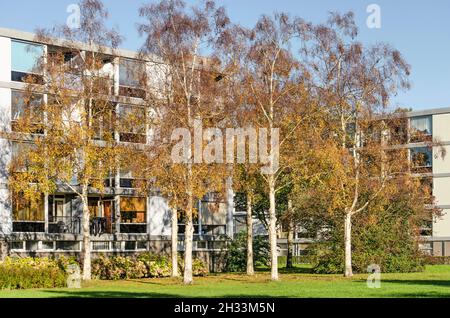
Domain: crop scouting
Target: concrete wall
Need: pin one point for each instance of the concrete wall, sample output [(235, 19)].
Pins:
[(5, 146), (441, 127), (5, 59), (441, 167), (441, 225), (159, 216)]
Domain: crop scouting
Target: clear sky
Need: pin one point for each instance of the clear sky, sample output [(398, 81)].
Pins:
[(419, 29)]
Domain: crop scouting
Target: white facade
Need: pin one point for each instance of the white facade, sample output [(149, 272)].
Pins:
[(157, 226), (441, 174)]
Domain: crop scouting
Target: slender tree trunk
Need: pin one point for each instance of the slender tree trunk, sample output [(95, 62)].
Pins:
[(290, 248), (188, 239), (273, 229), (348, 244), (4, 249), (250, 266), (290, 237), (86, 248), (174, 248)]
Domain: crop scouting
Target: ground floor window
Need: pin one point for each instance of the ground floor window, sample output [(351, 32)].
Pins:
[(27, 215), (133, 209), (25, 210), (133, 215)]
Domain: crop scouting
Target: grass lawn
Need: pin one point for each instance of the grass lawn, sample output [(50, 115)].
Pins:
[(434, 282)]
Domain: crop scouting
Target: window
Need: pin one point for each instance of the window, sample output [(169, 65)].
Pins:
[(103, 118), (20, 156), (100, 246), (32, 246), (130, 245), (28, 216), (28, 108), (398, 131), (132, 124), (133, 210), (202, 245), (25, 58), (141, 245), (17, 245), (56, 209), (116, 246), (67, 246), (48, 245), (132, 78), (126, 179), (25, 210), (422, 159), (421, 128)]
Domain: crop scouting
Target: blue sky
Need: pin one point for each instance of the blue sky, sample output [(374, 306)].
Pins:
[(419, 29)]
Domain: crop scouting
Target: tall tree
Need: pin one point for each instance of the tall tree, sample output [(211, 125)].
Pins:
[(275, 82), (356, 82), (72, 128), (185, 41)]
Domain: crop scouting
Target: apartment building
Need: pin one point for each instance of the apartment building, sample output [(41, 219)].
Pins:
[(434, 168), (122, 221)]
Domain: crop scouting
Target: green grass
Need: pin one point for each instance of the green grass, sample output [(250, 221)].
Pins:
[(434, 282)]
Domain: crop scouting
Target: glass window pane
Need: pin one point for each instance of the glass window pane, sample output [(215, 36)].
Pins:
[(133, 210), (421, 125), (25, 57), (130, 73), (20, 104), (422, 157), (26, 211)]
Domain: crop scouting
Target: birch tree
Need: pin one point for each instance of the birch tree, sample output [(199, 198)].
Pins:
[(275, 82), (73, 140), (356, 82), (185, 40)]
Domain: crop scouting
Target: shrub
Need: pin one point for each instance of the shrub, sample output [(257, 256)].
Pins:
[(386, 238), (199, 268), (26, 273), (237, 253), (436, 260), (144, 265)]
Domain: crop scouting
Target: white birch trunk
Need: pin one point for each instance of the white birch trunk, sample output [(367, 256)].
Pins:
[(174, 252), (348, 245), (250, 266), (86, 246), (273, 229), (188, 242), (290, 237)]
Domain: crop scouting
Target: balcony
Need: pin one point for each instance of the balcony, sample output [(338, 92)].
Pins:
[(102, 225), (64, 225)]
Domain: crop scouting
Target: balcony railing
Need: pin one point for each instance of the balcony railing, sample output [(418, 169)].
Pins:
[(64, 224), (102, 225), (204, 229)]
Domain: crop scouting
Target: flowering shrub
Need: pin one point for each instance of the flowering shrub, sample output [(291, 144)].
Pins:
[(142, 266), (25, 273)]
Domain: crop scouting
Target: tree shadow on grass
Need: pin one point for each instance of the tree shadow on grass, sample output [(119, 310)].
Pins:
[(284, 270), (420, 282), (418, 295), (414, 294), (124, 294)]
